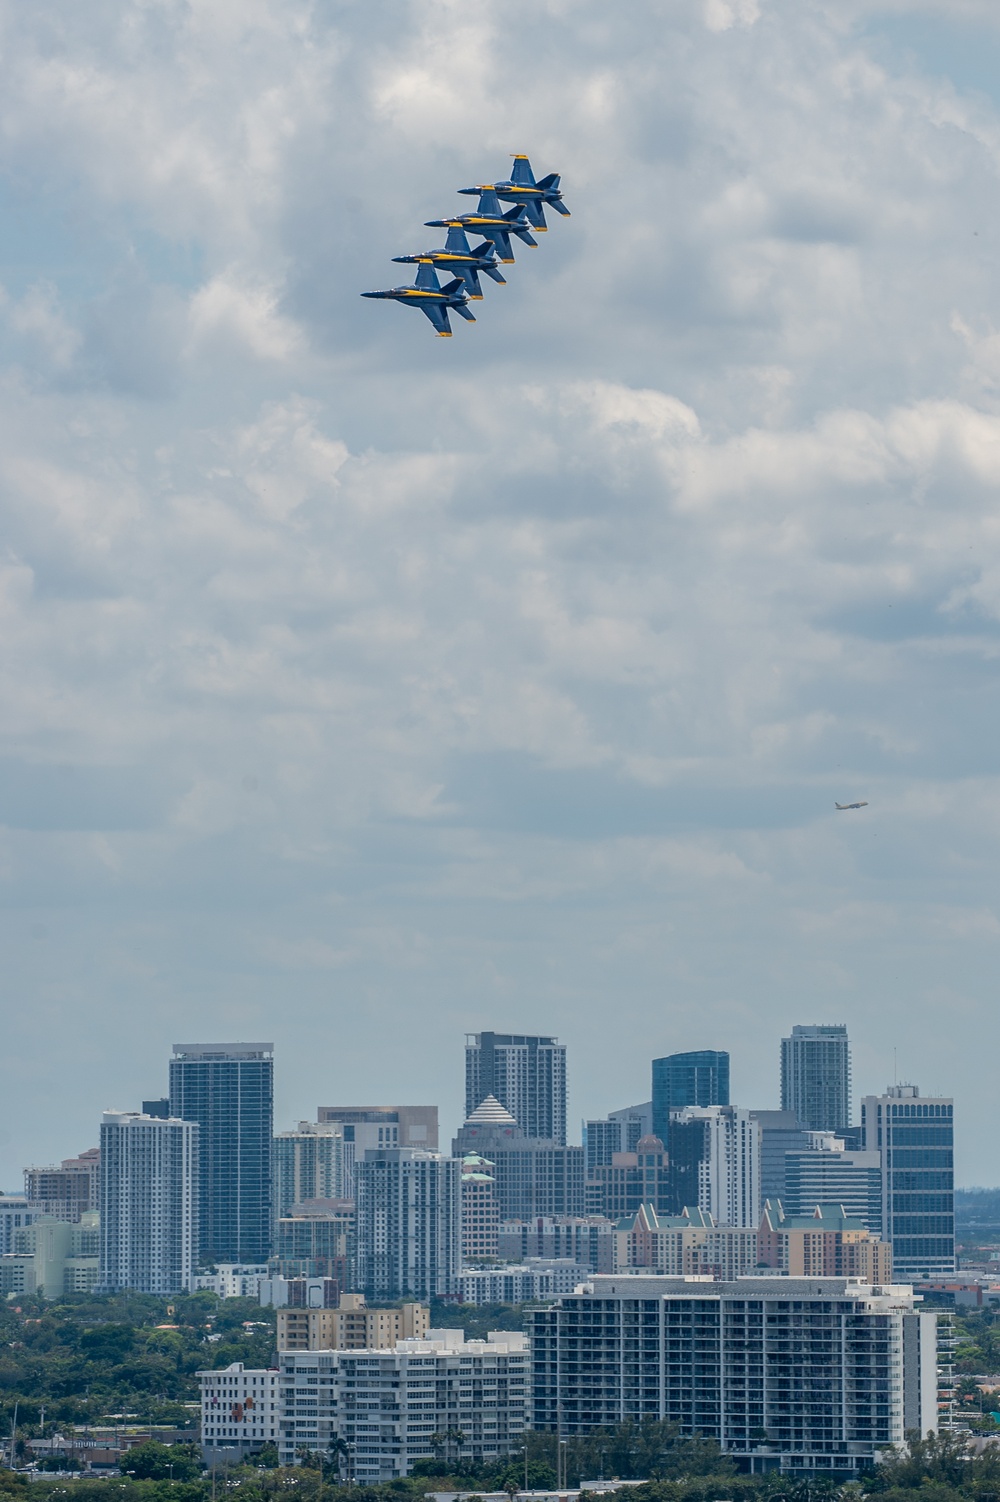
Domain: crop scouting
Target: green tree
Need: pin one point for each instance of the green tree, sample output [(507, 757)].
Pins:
[(155, 1462)]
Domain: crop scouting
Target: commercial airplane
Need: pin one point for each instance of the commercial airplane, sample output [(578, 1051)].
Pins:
[(844, 806)]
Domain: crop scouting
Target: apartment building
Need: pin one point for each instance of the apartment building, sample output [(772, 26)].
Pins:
[(239, 1413), (350, 1327)]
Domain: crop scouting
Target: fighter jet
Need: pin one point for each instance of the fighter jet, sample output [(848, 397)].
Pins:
[(492, 223), (431, 298), (461, 261), (844, 806), (521, 188)]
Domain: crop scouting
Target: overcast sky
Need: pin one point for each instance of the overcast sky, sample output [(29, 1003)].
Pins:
[(362, 688)]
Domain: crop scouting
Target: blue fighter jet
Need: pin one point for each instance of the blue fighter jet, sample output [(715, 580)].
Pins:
[(521, 189), (492, 223), (431, 298), (462, 261)]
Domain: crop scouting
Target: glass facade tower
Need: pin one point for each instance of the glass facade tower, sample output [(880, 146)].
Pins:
[(700, 1078), (227, 1088), (526, 1074), (816, 1077), (915, 1138)]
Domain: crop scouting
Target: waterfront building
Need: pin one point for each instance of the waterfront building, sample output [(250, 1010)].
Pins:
[(799, 1374), (392, 1408), (914, 1136), (526, 1074), (699, 1078), (149, 1203), (816, 1077), (228, 1089), (409, 1211), (239, 1413)]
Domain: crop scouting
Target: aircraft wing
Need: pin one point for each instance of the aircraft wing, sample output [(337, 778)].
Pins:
[(438, 315)]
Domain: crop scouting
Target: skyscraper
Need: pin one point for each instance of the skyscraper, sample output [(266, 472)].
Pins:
[(715, 1163), (309, 1165), (227, 1088), (409, 1224), (149, 1203), (700, 1078), (526, 1074), (816, 1077), (915, 1138), (534, 1175)]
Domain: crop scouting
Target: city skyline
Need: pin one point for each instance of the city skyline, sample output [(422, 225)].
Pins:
[(286, 1118)]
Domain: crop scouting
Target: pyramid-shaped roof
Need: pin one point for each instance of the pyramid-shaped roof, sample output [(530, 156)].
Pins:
[(490, 1112)]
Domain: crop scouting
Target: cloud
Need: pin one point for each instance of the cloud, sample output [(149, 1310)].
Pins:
[(357, 682)]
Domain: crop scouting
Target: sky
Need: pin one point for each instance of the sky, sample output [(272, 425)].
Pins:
[(361, 689)]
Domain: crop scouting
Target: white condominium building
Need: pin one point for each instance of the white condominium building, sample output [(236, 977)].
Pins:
[(386, 1405), (239, 1412)]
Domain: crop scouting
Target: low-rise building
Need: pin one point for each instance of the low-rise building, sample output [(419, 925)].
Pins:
[(826, 1244), (393, 1407), (792, 1374), (239, 1412), (680, 1245), (537, 1279), (352, 1326), (232, 1280)]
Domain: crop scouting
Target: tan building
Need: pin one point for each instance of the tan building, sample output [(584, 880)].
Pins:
[(826, 1244), (352, 1327), (66, 1191), (676, 1246), (480, 1209)]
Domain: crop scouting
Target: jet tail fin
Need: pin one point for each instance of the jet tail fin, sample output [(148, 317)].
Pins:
[(457, 241), (463, 312), (551, 181), (427, 277), (521, 172)]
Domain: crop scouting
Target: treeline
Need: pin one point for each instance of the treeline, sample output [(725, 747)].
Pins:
[(84, 1359)]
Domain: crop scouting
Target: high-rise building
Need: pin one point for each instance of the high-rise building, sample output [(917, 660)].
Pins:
[(228, 1089), (850, 1367), (239, 1412), (780, 1133), (526, 1074), (149, 1202), (631, 1179), (915, 1138), (700, 1078), (816, 1076), (586, 1240), (480, 1209), (309, 1165), (68, 1191), (409, 1224), (534, 1176), (715, 1163), (618, 1132), (16, 1211), (824, 1173), (367, 1128), (317, 1239)]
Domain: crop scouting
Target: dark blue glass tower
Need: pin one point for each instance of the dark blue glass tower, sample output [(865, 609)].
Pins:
[(688, 1079), (228, 1088)]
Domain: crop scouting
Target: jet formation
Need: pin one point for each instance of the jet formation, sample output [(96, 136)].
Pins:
[(466, 263)]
